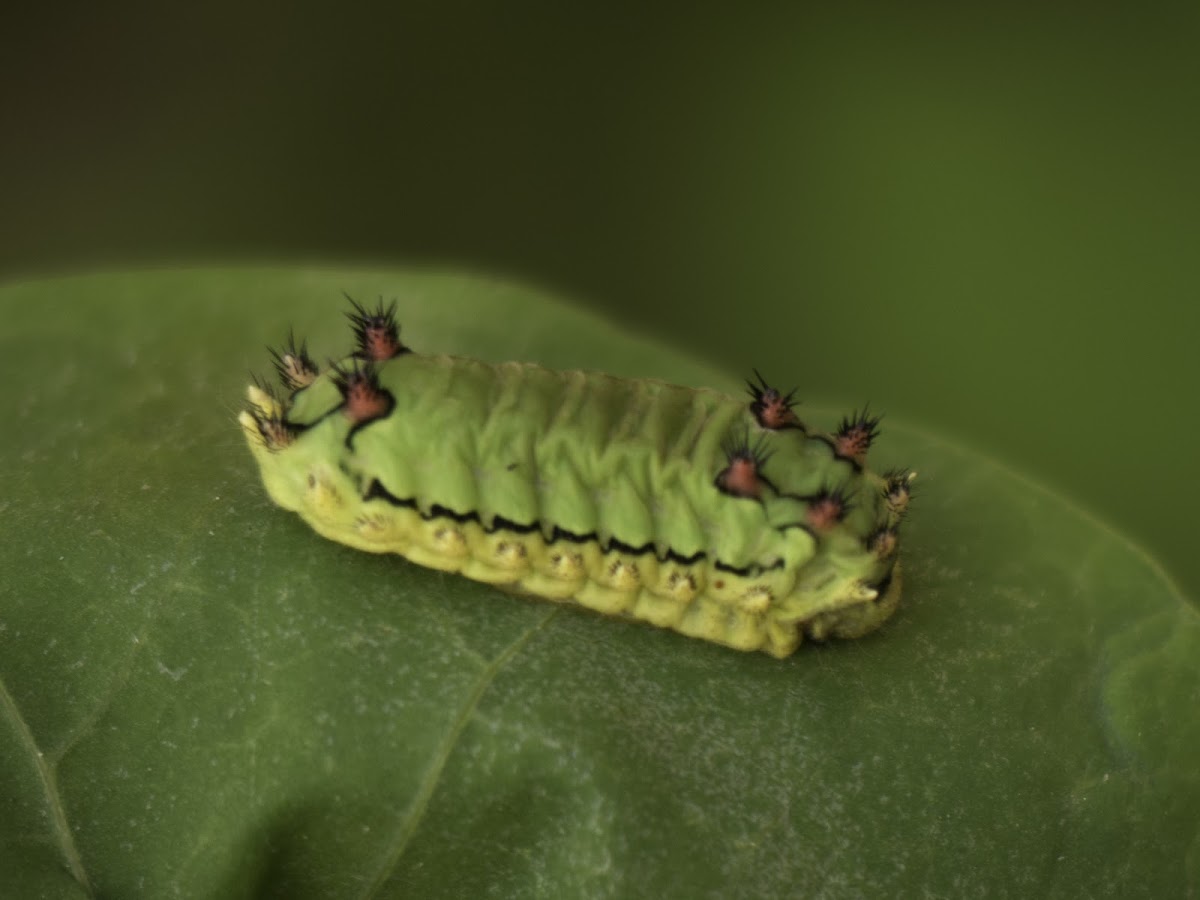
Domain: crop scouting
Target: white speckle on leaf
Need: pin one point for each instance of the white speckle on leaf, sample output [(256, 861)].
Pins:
[(175, 674)]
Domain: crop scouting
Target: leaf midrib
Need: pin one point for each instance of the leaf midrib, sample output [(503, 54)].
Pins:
[(46, 774), (433, 774)]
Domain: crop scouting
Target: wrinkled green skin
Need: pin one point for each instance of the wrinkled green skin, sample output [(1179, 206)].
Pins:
[(591, 454)]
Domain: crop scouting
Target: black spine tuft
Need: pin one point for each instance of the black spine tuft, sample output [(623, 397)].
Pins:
[(738, 446), (771, 408), (860, 425), (376, 333), (295, 367)]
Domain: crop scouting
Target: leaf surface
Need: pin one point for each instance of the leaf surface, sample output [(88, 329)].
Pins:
[(199, 697)]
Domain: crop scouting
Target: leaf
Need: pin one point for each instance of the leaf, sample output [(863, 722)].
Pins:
[(200, 697)]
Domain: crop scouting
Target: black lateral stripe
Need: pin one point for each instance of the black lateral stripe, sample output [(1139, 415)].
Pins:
[(735, 570), (376, 491), (628, 549)]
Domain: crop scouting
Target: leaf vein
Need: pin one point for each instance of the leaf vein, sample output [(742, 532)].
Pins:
[(433, 774), (46, 773)]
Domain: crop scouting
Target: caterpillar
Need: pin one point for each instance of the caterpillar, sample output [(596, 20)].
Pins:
[(721, 518)]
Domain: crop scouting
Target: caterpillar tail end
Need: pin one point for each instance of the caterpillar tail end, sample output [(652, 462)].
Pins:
[(876, 612)]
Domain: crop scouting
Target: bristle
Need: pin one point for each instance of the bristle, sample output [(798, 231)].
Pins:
[(855, 434), (265, 388), (376, 333), (742, 475), (295, 367), (898, 491), (739, 446), (262, 401), (363, 397), (772, 409), (827, 508), (268, 427)]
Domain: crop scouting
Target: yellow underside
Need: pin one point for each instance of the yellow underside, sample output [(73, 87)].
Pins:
[(696, 599)]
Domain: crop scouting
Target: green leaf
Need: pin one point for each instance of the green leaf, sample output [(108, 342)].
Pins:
[(199, 697)]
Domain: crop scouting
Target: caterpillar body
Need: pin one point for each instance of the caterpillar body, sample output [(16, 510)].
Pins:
[(690, 509)]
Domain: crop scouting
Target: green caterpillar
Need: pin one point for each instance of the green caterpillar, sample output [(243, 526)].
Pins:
[(690, 509)]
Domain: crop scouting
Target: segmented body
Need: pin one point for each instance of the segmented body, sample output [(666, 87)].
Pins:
[(689, 509)]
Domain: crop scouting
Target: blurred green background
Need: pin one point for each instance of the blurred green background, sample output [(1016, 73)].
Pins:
[(981, 221)]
